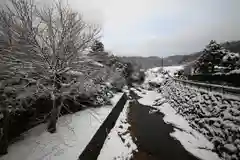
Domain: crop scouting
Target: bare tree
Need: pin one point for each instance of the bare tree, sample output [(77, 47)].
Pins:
[(38, 46)]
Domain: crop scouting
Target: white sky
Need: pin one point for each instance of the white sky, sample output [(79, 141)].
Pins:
[(162, 27)]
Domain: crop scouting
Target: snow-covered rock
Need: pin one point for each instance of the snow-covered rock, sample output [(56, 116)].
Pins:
[(230, 148), (236, 71), (213, 114)]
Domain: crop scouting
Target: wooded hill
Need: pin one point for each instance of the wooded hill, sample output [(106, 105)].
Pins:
[(154, 61)]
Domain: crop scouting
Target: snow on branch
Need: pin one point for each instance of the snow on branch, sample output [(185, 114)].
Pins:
[(41, 45)]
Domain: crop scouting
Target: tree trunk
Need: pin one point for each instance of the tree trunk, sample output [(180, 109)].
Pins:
[(4, 133), (52, 126)]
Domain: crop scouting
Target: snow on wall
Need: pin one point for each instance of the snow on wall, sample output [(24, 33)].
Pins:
[(119, 143), (216, 116)]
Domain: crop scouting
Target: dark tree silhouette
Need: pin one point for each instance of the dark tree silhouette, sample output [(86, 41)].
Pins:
[(97, 46), (211, 57)]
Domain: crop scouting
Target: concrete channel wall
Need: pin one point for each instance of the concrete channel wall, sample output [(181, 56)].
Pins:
[(211, 87), (94, 147)]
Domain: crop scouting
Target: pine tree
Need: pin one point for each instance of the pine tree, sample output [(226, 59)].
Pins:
[(211, 57)]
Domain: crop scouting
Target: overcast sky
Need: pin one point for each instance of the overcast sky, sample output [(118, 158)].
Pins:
[(162, 27)]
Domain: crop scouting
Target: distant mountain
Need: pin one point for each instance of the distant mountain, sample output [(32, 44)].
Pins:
[(154, 61), (150, 62), (233, 46)]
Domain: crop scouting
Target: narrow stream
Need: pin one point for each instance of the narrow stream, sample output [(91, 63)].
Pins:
[(153, 136)]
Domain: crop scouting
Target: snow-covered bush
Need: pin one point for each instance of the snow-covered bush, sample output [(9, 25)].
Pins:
[(215, 57), (104, 95), (212, 56), (230, 60), (94, 85), (118, 70), (117, 81)]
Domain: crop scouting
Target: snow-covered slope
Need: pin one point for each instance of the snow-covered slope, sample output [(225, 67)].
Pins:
[(215, 115), (73, 133)]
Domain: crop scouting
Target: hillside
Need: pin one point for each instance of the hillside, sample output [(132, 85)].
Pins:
[(154, 61)]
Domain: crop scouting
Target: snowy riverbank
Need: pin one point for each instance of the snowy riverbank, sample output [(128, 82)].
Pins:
[(192, 140)]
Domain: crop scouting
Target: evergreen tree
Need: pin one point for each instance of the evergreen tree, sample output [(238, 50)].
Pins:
[(211, 57), (97, 46)]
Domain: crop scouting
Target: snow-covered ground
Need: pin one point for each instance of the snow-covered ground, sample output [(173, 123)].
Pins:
[(192, 140), (73, 133), (172, 69), (119, 144)]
